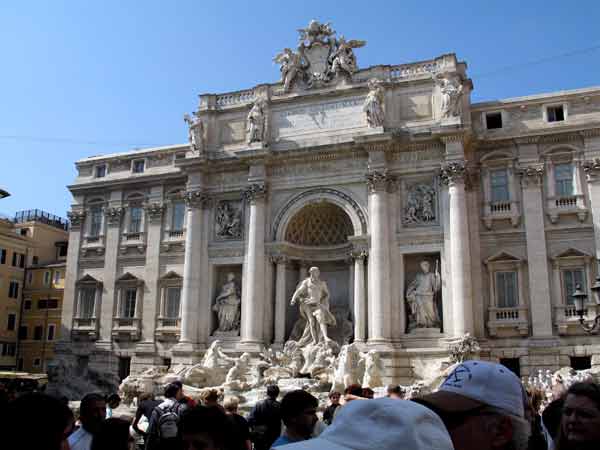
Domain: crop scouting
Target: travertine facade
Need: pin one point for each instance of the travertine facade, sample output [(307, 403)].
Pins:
[(366, 173)]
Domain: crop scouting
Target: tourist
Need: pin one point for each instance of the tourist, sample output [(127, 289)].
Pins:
[(92, 412), (368, 393), (395, 391), (537, 440), (210, 397), (551, 417), (580, 422), (334, 399), (146, 405), (205, 428), (35, 421), (482, 405), (163, 426), (185, 399), (382, 424), (299, 415), (241, 430), (113, 435), (112, 402), (265, 420)]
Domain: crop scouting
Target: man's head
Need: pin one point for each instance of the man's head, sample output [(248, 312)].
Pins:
[(174, 391), (92, 412), (231, 404), (395, 391), (334, 397), (299, 413), (273, 391), (425, 266), (482, 405), (113, 401), (204, 428), (314, 272), (368, 393)]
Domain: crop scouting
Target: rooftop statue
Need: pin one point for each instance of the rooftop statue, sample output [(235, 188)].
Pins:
[(195, 132)]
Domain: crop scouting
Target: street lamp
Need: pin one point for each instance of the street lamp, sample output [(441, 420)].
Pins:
[(4, 193), (579, 298)]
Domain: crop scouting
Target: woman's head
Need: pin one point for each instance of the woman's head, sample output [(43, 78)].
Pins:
[(113, 435), (580, 420)]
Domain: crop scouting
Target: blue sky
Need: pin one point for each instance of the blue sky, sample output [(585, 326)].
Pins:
[(82, 78)]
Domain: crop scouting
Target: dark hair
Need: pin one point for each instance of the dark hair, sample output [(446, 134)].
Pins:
[(272, 391), (113, 435), (113, 398), (584, 389), (87, 401), (295, 402), (368, 392), (171, 390), (354, 389), (394, 389), (50, 416), (210, 420), (177, 383), (333, 393), (551, 416)]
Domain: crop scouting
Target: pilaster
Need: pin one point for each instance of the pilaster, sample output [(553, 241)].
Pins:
[(592, 172), (76, 218)]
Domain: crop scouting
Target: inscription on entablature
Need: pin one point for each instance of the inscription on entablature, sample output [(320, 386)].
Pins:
[(338, 114), (314, 167), (431, 154)]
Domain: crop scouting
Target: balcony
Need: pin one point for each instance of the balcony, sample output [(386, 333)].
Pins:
[(567, 320), (126, 328), (133, 240), (168, 329), (504, 322), (85, 328), (502, 210), (565, 205)]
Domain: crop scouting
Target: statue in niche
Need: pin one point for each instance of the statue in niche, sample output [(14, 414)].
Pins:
[(420, 296), (227, 307), (195, 132), (451, 91), (292, 65), (312, 296), (229, 221), (420, 205), (255, 122), (373, 106), (343, 58)]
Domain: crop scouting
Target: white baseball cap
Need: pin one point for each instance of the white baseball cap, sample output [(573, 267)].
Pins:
[(474, 384), (382, 424)]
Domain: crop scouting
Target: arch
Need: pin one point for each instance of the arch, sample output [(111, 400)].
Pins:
[(338, 198), (318, 224), (497, 155), (560, 148)]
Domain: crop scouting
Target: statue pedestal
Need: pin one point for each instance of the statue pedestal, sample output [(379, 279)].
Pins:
[(426, 332)]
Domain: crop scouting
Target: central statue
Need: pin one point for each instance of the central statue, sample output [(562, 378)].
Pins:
[(312, 296)]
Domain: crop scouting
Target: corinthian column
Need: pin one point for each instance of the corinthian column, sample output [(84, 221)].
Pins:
[(453, 174), (253, 291), (379, 260), (592, 171), (190, 298), (280, 297), (360, 310)]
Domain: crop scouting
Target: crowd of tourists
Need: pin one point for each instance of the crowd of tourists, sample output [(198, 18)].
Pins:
[(479, 406)]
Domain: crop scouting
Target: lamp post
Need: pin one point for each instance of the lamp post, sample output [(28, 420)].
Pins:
[(579, 298)]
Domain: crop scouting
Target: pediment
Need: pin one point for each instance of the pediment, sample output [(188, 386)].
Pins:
[(572, 252), (171, 275), (128, 278), (88, 279), (503, 256)]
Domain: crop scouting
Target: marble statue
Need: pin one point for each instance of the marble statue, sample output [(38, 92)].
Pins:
[(237, 374), (373, 369), (292, 65), (373, 106), (312, 296), (228, 221), (195, 132), (346, 370), (255, 122), (227, 307), (463, 348), (343, 59), (420, 205), (315, 32), (215, 357), (451, 91), (420, 297)]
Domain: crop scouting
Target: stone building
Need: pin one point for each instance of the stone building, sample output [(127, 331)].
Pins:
[(429, 217)]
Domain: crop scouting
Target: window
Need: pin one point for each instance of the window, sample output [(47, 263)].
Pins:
[(52, 303), (87, 300), (135, 219), (95, 221), (506, 289), (138, 166), (14, 259), (11, 323), (555, 113), (37, 362), (35, 260), (57, 275), (493, 121), (513, 364), (42, 304), (128, 306), (47, 276), (27, 304), (13, 289), (23, 332), (9, 349), (21, 260), (38, 333), (101, 171), (499, 185), (124, 367), (178, 216), (62, 250), (3, 256), (563, 179), (173, 296), (571, 278), (581, 362), (51, 332), (29, 278), (23, 231)]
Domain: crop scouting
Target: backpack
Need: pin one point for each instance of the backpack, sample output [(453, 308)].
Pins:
[(168, 422)]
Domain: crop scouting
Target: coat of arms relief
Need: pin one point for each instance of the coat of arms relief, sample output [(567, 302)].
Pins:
[(319, 59)]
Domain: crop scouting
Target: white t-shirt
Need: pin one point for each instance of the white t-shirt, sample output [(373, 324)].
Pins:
[(80, 440)]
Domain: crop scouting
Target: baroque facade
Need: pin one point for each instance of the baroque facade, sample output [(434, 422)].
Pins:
[(429, 217)]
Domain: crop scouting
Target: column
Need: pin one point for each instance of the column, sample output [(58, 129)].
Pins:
[(253, 292), (192, 266), (113, 214), (453, 174), (280, 297), (379, 259), (592, 171), (537, 256), (360, 307), (269, 304)]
